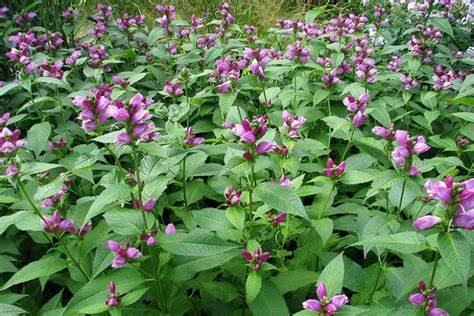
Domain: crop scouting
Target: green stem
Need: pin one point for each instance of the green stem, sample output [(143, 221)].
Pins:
[(348, 144), (379, 272), (187, 103), (139, 183), (433, 272), (401, 198), (184, 184), (251, 185), (330, 129), (264, 92), (69, 254)]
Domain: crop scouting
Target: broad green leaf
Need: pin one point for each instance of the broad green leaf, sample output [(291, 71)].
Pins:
[(443, 25), (406, 242), (333, 275), (8, 87), (38, 136), (253, 285), (90, 299), (236, 215), (44, 267), (113, 193), (291, 280), (197, 243), (212, 219), (127, 221), (10, 310), (466, 116), (324, 228), (456, 253), (269, 302), (281, 198)]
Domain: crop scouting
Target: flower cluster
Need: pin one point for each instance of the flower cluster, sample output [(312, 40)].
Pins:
[(227, 70), (457, 199), (124, 253), (167, 16), (357, 108), (292, 123), (95, 109), (298, 53), (10, 142), (427, 298), (256, 258), (232, 196), (135, 117), (324, 304), (113, 298), (333, 170), (54, 224), (191, 140), (249, 132), (408, 146), (127, 22)]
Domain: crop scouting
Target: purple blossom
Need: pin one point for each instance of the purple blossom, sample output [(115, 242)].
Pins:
[(95, 109), (409, 82), (357, 107), (191, 140), (113, 298), (232, 196), (277, 220), (124, 253), (426, 222), (54, 224), (11, 170), (284, 181), (292, 123), (174, 88), (256, 259), (298, 53), (427, 298), (3, 12), (324, 304), (170, 229), (408, 147), (149, 237), (333, 170)]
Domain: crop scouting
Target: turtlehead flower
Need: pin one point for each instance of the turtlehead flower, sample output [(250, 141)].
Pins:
[(124, 253), (357, 107), (113, 298), (284, 181), (54, 199), (149, 237), (298, 53), (426, 222), (4, 118), (256, 259), (149, 205), (170, 229), (427, 298), (324, 304), (54, 224), (95, 109), (408, 146), (292, 123), (232, 196), (85, 229), (277, 220), (10, 141), (135, 117), (174, 88), (383, 132), (11, 170), (333, 170), (191, 140)]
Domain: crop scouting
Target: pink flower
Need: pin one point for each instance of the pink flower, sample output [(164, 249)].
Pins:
[(170, 229), (277, 220), (332, 170), (149, 205), (191, 139), (113, 297), (441, 190), (284, 181), (55, 223), (232, 196), (256, 259), (427, 298), (292, 123), (124, 252), (426, 222), (324, 304), (11, 170)]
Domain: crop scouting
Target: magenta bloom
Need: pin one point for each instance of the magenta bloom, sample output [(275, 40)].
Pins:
[(256, 259), (232, 196), (249, 132), (426, 222), (292, 123), (357, 107), (170, 229), (10, 141), (150, 237), (334, 170), (383, 132), (149, 205), (124, 252), (298, 53), (191, 139), (441, 190), (324, 304), (427, 298), (465, 209), (284, 181), (174, 88), (277, 220), (408, 146), (113, 297), (11, 170), (55, 223), (95, 109)]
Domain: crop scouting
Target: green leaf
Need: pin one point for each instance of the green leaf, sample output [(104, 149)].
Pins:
[(269, 302), (226, 100), (90, 299), (212, 219), (292, 280), (443, 25), (38, 136), (55, 82), (127, 221), (411, 192), (197, 243), (466, 116), (253, 285), (186, 271), (357, 177), (236, 215), (281, 198), (333, 275), (8, 87), (113, 193), (455, 252), (41, 268), (324, 228), (405, 242), (10, 310)]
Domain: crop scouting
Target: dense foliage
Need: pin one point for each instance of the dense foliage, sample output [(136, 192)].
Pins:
[(204, 167)]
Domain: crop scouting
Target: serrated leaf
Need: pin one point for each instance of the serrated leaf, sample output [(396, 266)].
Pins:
[(38, 136), (333, 275), (405, 242), (281, 198), (456, 253), (253, 285)]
